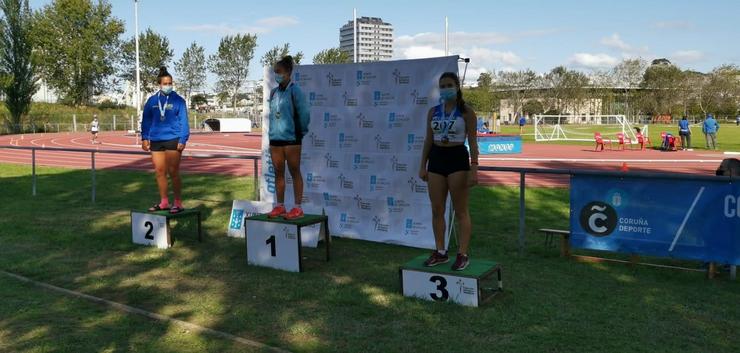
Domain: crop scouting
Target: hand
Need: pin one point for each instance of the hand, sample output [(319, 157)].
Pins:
[(180, 147), (423, 174), (473, 176), (145, 144)]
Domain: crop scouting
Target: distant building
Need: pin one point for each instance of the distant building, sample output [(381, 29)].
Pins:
[(374, 39)]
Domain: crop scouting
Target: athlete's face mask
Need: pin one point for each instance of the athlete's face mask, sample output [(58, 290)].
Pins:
[(166, 89), (279, 78), (448, 94)]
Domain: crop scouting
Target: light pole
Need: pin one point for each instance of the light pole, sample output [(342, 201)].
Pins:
[(138, 76)]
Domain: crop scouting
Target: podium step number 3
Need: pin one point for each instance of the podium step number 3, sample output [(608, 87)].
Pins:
[(276, 243), (471, 287), (153, 228)]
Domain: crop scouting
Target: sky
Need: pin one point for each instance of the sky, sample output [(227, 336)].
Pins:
[(494, 34)]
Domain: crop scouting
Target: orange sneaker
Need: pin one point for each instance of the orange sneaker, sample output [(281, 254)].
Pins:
[(278, 211), (294, 213)]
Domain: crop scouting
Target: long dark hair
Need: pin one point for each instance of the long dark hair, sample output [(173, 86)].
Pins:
[(286, 63), (460, 100), (163, 73)]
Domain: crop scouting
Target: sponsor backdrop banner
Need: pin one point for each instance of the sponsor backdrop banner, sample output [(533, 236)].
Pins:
[(360, 159), (695, 220), (498, 144)]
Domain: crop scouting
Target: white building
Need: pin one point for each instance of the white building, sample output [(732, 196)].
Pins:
[(374, 39)]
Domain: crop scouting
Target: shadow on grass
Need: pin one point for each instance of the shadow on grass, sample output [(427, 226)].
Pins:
[(350, 304)]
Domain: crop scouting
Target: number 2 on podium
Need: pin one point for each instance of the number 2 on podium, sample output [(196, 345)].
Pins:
[(148, 234), (271, 242)]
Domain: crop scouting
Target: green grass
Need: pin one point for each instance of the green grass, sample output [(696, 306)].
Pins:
[(728, 137), (351, 304)]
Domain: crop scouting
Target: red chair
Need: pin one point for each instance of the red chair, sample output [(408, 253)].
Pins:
[(643, 140), (601, 141), (623, 140)]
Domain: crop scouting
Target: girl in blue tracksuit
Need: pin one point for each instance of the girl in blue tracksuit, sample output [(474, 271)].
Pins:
[(165, 132), (289, 118)]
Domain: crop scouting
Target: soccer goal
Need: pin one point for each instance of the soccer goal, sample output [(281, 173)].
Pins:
[(583, 127)]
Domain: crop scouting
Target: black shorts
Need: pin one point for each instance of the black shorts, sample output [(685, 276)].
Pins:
[(159, 146), (283, 143), (447, 160), (94, 132)]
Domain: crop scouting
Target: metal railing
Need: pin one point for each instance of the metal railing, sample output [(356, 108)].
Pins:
[(93, 152), (570, 172)]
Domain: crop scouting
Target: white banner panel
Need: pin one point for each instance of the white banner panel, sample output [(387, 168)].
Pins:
[(361, 156)]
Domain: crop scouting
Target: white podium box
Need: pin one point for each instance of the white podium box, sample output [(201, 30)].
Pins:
[(276, 242), (153, 228), (471, 287)]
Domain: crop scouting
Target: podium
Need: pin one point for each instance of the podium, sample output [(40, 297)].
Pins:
[(276, 242), (471, 287), (153, 228)]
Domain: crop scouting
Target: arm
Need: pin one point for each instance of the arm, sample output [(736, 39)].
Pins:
[(470, 125), (182, 117), (304, 112), (427, 147), (146, 121)]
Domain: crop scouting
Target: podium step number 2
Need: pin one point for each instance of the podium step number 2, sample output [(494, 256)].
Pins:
[(471, 287), (153, 228)]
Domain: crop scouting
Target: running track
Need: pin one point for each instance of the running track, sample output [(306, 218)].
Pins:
[(536, 155)]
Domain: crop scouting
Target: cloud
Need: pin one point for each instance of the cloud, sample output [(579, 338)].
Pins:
[(593, 61), (421, 51), (462, 39), (261, 26), (614, 41), (673, 25), (687, 56)]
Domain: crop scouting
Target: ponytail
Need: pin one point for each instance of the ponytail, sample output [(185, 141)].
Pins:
[(163, 73)]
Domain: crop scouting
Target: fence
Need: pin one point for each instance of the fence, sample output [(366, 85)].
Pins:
[(93, 152), (81, 123)]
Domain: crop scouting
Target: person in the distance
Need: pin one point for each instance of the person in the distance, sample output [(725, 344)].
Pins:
[(165, 132), (289, 118)]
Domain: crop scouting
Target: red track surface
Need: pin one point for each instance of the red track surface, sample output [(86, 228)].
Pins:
[(536, 155)]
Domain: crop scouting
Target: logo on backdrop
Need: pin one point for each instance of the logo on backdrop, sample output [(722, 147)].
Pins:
[(396, 205), (381, 144), (379, 183), (418, 98), (237, 219), (316, 141), (287, 234), (414, 142), (416, 186), (317, 99), (349, 101), (382, 99), (363, 205), (397, 120), (412, 227), (598, 218), (347, 221), (346, 140), (269, 172), (333, 80), (330, 161), (363, 122), (302, 79), (365, 78), (315, 181), (331, 120), (331, 200), (379, 225), (398, 166), (362, 162), (345, 183), (400, 78)]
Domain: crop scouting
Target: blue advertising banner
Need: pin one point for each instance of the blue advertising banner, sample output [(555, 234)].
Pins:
[(692, 220), (493, 144)]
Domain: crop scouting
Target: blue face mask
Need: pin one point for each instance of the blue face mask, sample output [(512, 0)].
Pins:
[(279, 78), (166, 89), (448, 93)]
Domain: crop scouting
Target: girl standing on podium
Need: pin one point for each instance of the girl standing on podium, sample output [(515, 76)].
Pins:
[(165, 132), (447, 166), (289, 118)]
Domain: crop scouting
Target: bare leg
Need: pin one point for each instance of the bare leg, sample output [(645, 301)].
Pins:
[(173, 169), (437, 186), (459, 191), (160, 173), (293, 156), (278, 162)]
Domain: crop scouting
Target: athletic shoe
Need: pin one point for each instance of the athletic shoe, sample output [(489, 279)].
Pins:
[(278, 211), (294, 213), (435, 259), (461, 262)]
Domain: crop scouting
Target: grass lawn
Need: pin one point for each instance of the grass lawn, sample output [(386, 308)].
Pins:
[(728, 137), (351, 304)]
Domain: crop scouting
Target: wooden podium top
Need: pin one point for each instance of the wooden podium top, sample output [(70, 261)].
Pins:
[(476, 268), (306, 220), (166, 213)]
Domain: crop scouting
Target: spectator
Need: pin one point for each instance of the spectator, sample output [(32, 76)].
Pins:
[(685, 132), (710, 129), (737, 120), (497, 126), (94, 128), (522, 122)]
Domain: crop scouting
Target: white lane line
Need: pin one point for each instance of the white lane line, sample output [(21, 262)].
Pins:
[(686, 218), (527, 159)]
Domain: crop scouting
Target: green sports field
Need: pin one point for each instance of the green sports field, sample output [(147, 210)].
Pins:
[(351, 304)]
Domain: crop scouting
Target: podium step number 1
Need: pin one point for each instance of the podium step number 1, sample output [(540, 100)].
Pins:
[(276, 243), (471, 287), (153, 228)]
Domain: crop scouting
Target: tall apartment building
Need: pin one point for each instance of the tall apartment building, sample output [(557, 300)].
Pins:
[(374, 39)]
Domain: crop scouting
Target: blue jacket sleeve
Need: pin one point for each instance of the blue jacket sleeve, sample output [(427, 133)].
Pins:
[(304, 112), (146, 121), (182, 117)]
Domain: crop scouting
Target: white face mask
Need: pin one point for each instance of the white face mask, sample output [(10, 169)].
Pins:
[(166, 89)]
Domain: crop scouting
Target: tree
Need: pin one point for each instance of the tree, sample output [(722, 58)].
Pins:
[(198, 99), (518, 87), (276, 53), (18, 78), (75, 46), (231, 63), (191, 69), (661, 83), (717, 92), (485, 80), (154, 52), (331, 56), (628, 76)]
